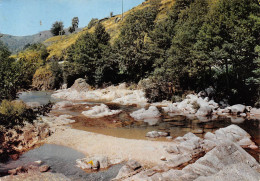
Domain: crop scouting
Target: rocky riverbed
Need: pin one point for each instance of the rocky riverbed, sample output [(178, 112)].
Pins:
[(210, 146)]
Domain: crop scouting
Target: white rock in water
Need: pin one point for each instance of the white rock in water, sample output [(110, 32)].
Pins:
[(62, 105), (163, 158), (231, 133), (243, 114), (152, 121), (33, 104), (193, 104), (116, 94), (204, 111), (255, 111), (64, 119), (94, 162), (238, 108), (153, 134), (100, 111), (142, 114), (237, 120)]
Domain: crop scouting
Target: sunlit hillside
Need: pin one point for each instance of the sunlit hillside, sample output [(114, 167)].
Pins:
[(58, 44)]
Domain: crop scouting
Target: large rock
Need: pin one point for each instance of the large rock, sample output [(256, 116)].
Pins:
[(255, 111), (188, 144), (156, 134), (238, 108), (95, 162), (62, 105), (234, 172), (142, 114), (231, 133), (80, 85), (193, 104), (100, 111), (224, 161), (130, 168)]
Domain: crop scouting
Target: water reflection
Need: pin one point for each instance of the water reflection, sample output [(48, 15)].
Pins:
[(61, 160)]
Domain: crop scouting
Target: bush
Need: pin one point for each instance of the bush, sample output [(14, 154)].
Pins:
[(92, 22), (9, 108), (156, 90), (13, 113), (57, 28), (48, 77)]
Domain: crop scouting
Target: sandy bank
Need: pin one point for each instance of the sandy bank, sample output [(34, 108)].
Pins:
[(146, 152)]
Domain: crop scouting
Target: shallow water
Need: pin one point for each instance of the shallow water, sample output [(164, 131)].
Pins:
[(61, 160), (123, 126), (43, 97), (177, 125)]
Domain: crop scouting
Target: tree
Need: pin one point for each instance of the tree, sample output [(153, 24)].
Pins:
[(9, 75), (134, 55), (228, 38), (57, 28), (92, 22), (74, 24), (101, 35)]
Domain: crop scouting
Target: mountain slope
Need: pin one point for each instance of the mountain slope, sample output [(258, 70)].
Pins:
[(17, 43), (58, 44)]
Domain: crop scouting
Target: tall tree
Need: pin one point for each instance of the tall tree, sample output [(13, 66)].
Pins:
[(74, 24), (134, 54), (228, 38), (57, 28)]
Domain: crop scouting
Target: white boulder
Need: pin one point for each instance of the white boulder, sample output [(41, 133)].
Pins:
[(100, 111), (62, 105), (142, 114), (238, 108)]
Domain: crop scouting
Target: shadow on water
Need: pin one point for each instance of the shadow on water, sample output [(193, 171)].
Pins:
[(61, 160)]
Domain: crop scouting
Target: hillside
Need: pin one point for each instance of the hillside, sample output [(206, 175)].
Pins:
[(57, 45), (17, 43)]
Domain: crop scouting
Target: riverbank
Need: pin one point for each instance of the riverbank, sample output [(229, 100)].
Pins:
[(147, 152)]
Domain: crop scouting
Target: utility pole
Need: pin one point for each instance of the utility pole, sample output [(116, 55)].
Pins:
[(122, 9)]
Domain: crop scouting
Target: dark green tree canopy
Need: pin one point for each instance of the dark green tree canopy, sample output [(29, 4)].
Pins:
[(74, 24), (57, 28)]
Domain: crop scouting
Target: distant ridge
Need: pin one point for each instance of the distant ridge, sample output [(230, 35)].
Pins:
[(16, 43)]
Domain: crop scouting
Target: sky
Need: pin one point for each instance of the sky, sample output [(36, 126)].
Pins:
[(28, 17)]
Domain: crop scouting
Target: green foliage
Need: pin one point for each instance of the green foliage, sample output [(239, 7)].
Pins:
[(101, 35), (57, 28), (226, 42), (28, 61), (48, 77), (13, 113), (9, 108), (9, 75), (135, 52), (212, 44), (74, 24), (92, 22), (91, 53)]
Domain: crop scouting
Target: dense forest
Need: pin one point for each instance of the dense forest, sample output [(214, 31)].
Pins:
[(199, 44)]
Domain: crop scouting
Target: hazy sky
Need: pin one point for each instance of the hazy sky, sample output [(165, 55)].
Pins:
[(23, 17)]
